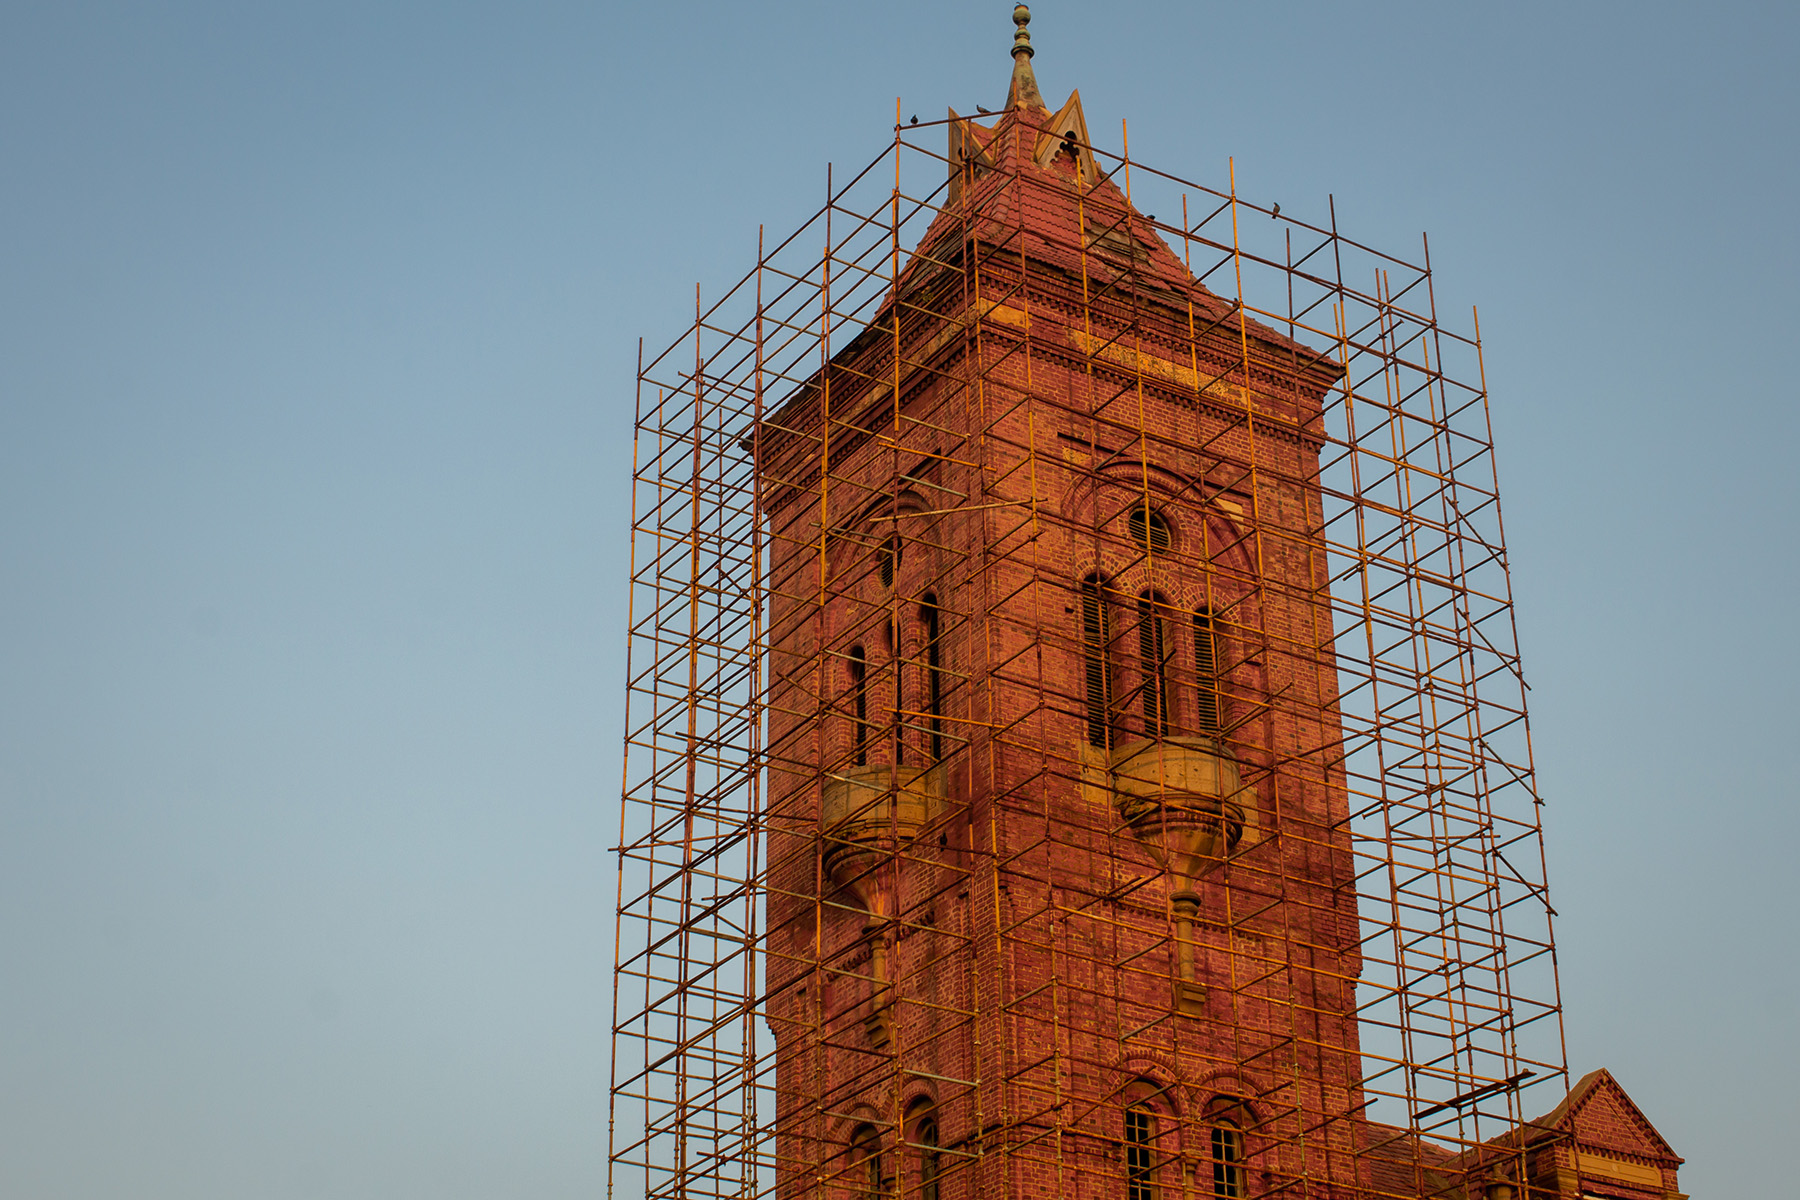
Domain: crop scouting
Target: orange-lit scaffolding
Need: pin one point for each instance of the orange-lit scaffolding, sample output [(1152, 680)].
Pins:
[(759, 731)]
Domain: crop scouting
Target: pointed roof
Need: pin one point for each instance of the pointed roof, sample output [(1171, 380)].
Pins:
[(1072, 214), (1069, 217)]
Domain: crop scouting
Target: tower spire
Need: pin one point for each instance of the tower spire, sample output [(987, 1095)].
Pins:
[(1024, 90)]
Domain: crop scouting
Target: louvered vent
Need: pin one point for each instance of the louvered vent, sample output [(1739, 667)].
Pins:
[(1094, 639), (890, 559), (1153, 662), (1206, 672), (1149, 529)]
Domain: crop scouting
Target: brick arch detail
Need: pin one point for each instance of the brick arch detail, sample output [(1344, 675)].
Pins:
[(1089, 503), (840, 1126), (1157, 1070), (858, 537), (1220, 1081), (915, 1089)]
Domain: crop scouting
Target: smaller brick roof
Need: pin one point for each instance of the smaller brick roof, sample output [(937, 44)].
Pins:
[(1598, 1113), (1396, 1158)]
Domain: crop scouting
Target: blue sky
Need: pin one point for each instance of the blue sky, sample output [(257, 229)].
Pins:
[(317, 330)]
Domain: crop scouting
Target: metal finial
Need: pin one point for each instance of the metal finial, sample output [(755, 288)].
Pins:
[(1022, 39), (1023, 93)]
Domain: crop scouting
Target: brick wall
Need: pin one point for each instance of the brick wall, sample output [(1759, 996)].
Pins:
[(1021, 977)]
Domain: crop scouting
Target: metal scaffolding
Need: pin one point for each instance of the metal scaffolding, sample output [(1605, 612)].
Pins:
[(858, 378)]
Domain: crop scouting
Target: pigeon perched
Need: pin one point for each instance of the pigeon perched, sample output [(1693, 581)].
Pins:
[(1275, 212), (983, 108)]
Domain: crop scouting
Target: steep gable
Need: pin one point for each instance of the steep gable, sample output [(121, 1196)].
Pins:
[(1602, 1116)]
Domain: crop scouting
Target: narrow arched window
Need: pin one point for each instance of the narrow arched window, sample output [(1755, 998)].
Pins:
[(1095, 668), (1209, 706), (929, 1161), (1149, 529), (1228, 1160), (889, 556), (865, 1164), (897, 719), (934, 677), (1153, 664), (1140, 1154), (859, 706)]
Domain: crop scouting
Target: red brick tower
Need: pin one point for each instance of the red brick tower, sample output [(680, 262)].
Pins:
[(1076, 743), (1059, 884)]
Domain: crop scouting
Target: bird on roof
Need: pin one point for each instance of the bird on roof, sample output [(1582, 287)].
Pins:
[(983, 108)]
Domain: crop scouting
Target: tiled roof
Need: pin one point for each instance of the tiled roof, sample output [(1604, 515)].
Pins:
[(1039, 193)]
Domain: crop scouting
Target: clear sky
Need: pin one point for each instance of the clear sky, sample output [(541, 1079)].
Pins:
[(317, 330)]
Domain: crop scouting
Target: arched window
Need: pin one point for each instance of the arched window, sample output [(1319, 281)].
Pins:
[(1149, 529), (1153, 663), (929, 1161), (1209, 707), (934, 678), (1227, 1160), (865, 1162), (859, 706), (897, 718), (1095, 639), (889, 558), (1140, 1153)]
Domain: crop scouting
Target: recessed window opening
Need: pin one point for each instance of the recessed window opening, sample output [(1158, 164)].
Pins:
[(1153, 662), (1097, 676), (859, 706), (1149, 529), (1228, 1160), (865, 1154), (1140, 1169), (897, 718), (1209, 709), (934, 678), (929, 1159)]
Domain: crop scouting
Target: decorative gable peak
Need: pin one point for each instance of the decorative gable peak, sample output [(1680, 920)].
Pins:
[(1067, 132), (1600, 1113), (967, 155)]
